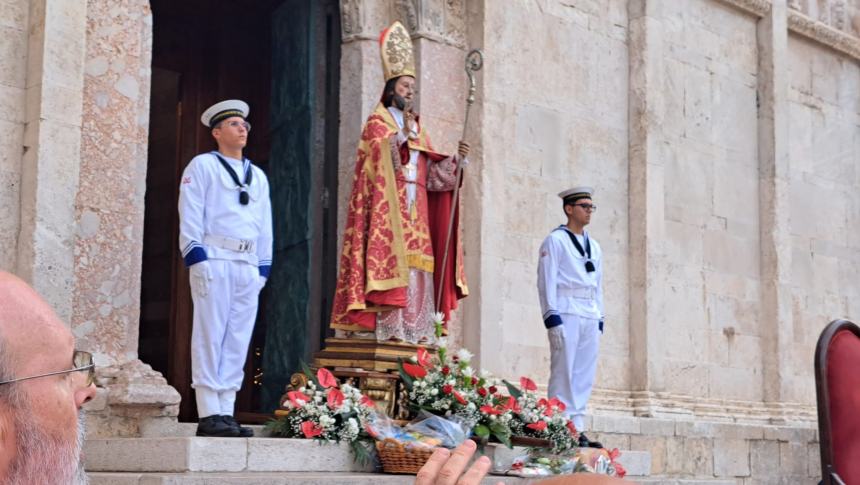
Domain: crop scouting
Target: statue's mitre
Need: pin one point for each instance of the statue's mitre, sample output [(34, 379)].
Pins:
[(395, 46)]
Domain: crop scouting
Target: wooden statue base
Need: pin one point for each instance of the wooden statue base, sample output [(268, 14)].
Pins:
[(367, 354), (369, 365)]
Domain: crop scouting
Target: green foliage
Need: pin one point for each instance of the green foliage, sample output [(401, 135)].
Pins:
[(407, 379), (362, 451), (513, 390), (501, 433), (278, 427), (310, 374)]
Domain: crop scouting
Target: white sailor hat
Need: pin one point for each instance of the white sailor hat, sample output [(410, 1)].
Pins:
[(576, 193), (223, 110)]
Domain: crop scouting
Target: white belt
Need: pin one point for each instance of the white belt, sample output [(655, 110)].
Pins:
[(584, 293), (238, 245)]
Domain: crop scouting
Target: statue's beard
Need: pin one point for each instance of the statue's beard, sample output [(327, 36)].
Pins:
[(46, 459)]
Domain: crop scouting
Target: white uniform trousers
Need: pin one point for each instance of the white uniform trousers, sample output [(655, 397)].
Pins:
[(223, 324), (573, 363)]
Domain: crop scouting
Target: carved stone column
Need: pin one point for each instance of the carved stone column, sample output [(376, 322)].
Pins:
[(51, 156), (108, 214), (647, 256), (775, 207)]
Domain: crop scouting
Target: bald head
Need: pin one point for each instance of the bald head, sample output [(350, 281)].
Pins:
[(27, 324), (40, 429)]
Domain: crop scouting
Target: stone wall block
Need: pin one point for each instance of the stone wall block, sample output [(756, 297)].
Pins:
[(814, 453), (616, 424), (657, 427), (764, 457), (698, 456), (611, 440), (793, 459), (793, 434), (13, 55), (656, 447), (732, 458)]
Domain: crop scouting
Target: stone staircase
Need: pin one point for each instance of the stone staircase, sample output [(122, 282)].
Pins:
[(183, 459), (673, 452)]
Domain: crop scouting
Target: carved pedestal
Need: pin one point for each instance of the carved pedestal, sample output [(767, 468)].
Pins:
[(369, 365)]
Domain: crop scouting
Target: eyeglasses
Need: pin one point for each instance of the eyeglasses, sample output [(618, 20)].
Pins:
[(82, 361), (588, 207), (237, 124)]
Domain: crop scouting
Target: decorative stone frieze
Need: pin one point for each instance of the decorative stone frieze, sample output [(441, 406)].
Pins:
[(759, 8), (822, 33), (439, 20)]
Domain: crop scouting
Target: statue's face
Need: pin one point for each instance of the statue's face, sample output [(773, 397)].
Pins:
[(406, 88)]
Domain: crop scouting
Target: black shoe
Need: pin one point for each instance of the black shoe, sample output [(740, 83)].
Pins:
[(244, 431), (584, 442), (215, 426)]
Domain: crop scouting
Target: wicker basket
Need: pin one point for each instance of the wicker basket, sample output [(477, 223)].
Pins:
[(397, 458)]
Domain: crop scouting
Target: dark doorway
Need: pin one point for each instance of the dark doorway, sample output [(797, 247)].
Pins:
[(283, 58)]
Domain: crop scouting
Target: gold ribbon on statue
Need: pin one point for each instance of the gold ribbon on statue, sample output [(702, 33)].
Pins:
[(474, 62)]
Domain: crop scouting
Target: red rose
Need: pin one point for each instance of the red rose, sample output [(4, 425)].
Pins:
[(447, 389), (474, 380), (493, 390), (482, 392), (446, 370)]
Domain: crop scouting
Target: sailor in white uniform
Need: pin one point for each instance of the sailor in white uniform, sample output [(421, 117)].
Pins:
[(225, 235), (570, 273)]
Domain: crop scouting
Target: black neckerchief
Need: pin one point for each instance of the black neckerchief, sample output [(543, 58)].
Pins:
[(589, 266), (243, 196)]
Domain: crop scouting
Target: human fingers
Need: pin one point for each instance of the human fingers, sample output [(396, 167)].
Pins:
[(427, 473), (475, 472), (455, 465)]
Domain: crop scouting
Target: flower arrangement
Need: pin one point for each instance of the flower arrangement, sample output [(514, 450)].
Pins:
[(446, 384), (326, 411)]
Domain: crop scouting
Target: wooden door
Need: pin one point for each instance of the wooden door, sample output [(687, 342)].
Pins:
[(205, 51)]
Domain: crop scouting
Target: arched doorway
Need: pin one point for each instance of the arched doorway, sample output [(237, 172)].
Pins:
[(282, 57)]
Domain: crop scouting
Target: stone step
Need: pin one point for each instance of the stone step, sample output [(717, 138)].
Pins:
[(685, 481), (193, 454), (270, 478)]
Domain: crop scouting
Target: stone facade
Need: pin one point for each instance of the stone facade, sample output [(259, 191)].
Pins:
[(721, 136)]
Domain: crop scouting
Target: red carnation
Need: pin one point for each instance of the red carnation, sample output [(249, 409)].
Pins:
[(539, 426), (487, 409), (459, 398), (447, 389), (298, 399), (326, 378), (311, 429), (366, 401), (528, 384), (423, 357), (415, 371), (572, 428), (334, 398)]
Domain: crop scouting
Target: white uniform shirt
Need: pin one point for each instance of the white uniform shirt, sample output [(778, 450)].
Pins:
[(565, 287), (209, 205)]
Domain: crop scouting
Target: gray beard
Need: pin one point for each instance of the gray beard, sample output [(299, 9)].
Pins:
[(45, 459)]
